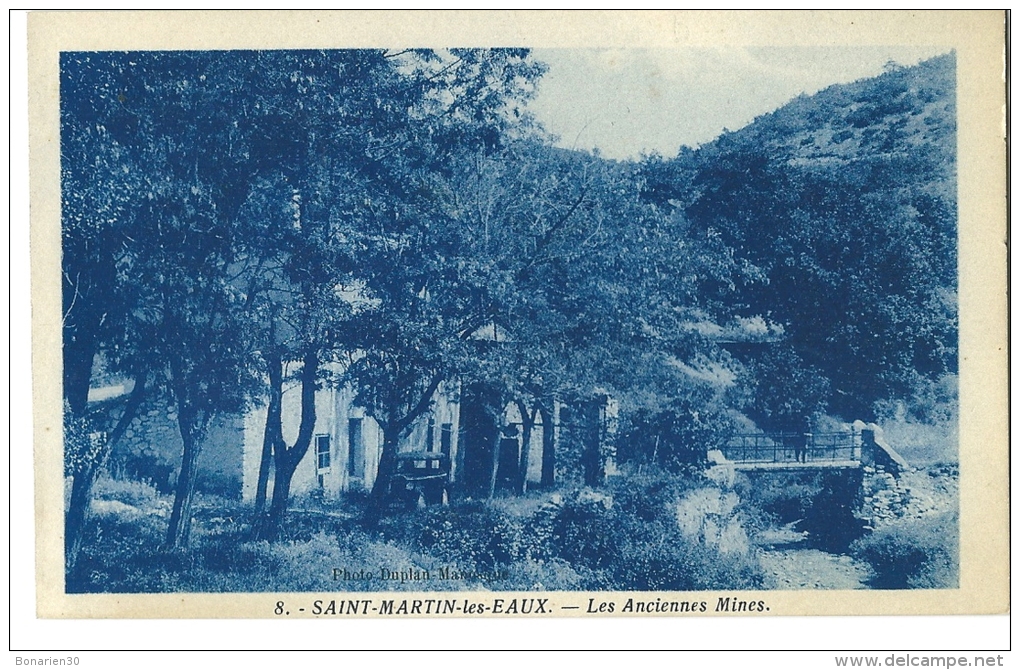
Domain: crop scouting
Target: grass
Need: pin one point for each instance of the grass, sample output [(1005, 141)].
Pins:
[(920, 555), (925, 428), (624, 538)]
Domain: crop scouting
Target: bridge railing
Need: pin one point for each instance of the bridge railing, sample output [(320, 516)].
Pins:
[(792, 447)]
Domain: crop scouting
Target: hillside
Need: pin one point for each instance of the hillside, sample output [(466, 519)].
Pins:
[(841, 206), (899, 111)]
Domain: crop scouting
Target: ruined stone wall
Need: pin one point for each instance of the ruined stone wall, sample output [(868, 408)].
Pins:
[(151, 449), (914, 494), (883, 496)]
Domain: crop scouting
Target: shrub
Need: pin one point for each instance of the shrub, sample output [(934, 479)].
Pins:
[(673, 438), (662, 559), (128, 491), (120, 554), (651, 495), (626, 538), (918, 553), (80, 449), (630, 545), (472, 535), (785, 388), (585, 531), (547, 575)]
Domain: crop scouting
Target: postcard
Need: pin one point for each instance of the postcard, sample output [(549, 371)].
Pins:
[(518, 314)]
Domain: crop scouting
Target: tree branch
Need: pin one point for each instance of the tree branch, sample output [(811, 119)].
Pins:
[(422, 404), (546, 240)]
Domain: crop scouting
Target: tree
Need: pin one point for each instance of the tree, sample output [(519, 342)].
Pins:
[(312, 178), (166, 245), (844, 206), (332, 133), (97, 180), (582, 284), (189, 313), (413, 271), (522, 208), (380, 210), (103, 178)]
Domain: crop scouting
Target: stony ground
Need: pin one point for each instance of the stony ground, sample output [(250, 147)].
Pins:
[(931, 491), (788, 569), (914, 495)]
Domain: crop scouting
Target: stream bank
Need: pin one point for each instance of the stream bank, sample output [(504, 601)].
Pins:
[(792, 559)]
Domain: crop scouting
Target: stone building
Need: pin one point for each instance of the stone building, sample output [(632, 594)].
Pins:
[(150, 449), (343, 456), (347, 443)]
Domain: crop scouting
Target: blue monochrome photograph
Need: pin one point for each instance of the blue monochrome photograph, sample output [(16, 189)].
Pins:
[(508, 319)]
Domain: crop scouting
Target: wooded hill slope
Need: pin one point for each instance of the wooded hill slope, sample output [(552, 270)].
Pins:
[(841, 208)]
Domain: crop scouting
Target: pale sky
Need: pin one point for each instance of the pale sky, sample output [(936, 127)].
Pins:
[(629, 101)]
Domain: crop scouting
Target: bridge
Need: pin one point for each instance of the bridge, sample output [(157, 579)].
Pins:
[(793, 451), (859, 471), (862, 445)]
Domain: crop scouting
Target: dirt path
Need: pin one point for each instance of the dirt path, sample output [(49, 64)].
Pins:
[(812, 569), (789, 565)]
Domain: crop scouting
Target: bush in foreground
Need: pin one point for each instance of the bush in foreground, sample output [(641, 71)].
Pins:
[(918, 554), (623, 538)]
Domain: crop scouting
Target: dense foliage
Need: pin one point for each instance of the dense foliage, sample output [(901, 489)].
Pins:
[(844, 206), (626, 539), (395, 220)]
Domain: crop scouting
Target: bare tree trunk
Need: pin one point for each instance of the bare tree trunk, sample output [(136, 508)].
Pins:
[(527, 426), (88, 281), (287, 459), (548, 446), (178, 533), (192, 428), (281, 496), (497, 441), (78, 510), (79, 354), (393, 427), (387, 465), (273, 435)]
